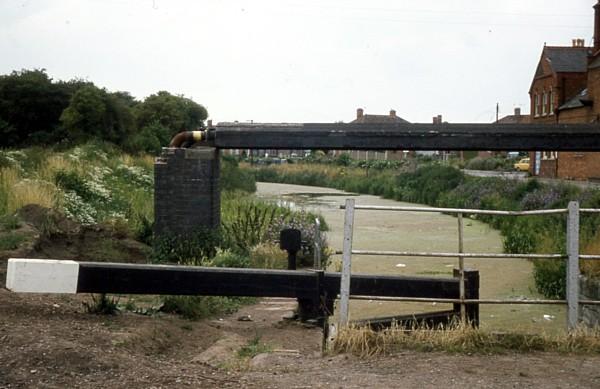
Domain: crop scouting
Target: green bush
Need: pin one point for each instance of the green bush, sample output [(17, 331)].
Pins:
[(227, 258), (245, 222), (71, 181), (233, 178), (196, 248), (550, 277), (200, 307), (519, 237), (102, 305)]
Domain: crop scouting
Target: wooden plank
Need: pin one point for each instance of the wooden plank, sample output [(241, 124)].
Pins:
[(398, 136), (396, 286), (184, 280), (100, 277)]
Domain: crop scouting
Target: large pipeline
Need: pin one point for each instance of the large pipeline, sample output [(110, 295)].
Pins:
[(397, 136)]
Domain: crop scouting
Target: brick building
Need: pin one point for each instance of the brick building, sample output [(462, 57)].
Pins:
[(362, 118), (566, 89)]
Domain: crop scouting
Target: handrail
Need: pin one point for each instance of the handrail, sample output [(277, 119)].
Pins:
[(465, 255), (460, 210), (572, 282)]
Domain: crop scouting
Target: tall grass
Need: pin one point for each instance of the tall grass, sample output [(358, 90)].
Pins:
[(365, 342)]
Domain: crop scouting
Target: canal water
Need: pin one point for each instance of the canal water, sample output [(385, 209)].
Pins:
[(431, 232)]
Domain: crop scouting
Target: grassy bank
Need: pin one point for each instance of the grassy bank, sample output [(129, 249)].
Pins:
[(446, 186), (96, 195)]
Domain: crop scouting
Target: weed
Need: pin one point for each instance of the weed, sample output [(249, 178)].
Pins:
[(253, 348), (11, 240), (102, 305), (10, 222), (200, 307)]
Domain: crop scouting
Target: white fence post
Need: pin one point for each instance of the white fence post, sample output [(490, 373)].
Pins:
[(573, 265), (346, 263), (317, 246), (461, 268)]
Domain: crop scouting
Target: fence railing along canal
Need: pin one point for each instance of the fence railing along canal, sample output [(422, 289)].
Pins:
[(572, 257)]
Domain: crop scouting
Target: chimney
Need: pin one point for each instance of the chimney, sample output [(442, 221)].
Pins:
[(359, 113), (209, 123), (517, 111), (435, 120), (597, 26), (392, 113), (573, 42), (439, 119)]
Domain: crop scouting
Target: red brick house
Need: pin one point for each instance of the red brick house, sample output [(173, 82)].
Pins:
[(362, 118), (566, 89)]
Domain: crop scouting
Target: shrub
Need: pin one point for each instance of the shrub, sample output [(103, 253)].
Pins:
[(479, 163), (195, 248), (199, 307), (519, 237), (227, 258), (304, 222), (268, 256), (11, 240), (245, 223), (233, 178), (102, 305), (550, 277)]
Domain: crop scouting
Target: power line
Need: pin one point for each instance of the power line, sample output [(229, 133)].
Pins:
[(434, 11)]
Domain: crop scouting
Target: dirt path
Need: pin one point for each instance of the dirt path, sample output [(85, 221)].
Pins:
[(48, 341)]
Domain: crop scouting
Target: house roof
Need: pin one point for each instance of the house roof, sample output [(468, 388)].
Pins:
[(582, 99), (564, 59), (375, 119), (595, 63), (514, 119)]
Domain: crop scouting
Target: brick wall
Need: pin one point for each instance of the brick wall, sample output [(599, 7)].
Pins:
[(186, 194), (578, 165), (547, 168)]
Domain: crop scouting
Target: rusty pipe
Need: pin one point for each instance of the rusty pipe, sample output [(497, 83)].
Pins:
[(188, 137)]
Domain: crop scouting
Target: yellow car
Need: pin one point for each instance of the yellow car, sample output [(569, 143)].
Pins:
[(522, 165)]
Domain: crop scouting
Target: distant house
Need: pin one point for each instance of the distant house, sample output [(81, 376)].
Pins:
[(362, 118), (516, 118), (566, 89)]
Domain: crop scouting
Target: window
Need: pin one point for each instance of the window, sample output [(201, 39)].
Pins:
[(545, 104), (551, 103), (536, 104)]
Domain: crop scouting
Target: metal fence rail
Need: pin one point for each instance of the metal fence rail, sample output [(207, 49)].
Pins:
[(572, 300)]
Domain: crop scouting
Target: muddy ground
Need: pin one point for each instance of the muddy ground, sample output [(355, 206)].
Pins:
[(50, 341)]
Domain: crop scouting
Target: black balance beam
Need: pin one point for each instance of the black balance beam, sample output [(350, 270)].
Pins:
[(398, 136)]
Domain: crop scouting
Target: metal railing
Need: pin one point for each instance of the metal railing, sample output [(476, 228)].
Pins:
[(572, 278)]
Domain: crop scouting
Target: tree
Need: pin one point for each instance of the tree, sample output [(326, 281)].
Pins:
[(176, 113), (95, 113), (30, 103), (149, 139)]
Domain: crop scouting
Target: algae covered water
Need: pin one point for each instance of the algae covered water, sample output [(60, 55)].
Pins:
[(431, 232)]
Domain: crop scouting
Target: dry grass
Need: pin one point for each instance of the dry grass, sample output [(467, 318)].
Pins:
[(54, 164), (365, 342), (31, 192), (268, 256), (145, 161)]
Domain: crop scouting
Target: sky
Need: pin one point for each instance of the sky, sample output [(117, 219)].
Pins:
[(300, 60)]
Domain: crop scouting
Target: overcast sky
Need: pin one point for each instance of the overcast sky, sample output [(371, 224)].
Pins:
[(299, 60)]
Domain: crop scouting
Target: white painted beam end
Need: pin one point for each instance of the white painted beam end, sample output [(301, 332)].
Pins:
[(41, 276)]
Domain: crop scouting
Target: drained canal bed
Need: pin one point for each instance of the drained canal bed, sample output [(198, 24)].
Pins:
[(432, 232)]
